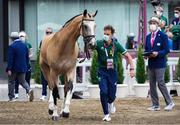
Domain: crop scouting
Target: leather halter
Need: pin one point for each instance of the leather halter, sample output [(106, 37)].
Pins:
[(86, 38)]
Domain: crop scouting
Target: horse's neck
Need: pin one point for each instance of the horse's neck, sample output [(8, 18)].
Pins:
[(69, 35)]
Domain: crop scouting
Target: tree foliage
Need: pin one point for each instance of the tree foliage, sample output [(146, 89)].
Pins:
[(140, 67), (37, 72), (93, 70)]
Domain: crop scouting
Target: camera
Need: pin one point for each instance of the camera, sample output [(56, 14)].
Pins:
[(155, 2)]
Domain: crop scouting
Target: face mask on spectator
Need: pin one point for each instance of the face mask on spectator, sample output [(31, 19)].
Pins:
[(23, 39), (176, 15), (106, 38), (159, 13), (153, 27)]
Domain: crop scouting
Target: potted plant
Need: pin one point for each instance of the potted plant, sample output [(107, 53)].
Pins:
[(37, 77), (37, 72), (94, 88), (122, 89), (140, 89)]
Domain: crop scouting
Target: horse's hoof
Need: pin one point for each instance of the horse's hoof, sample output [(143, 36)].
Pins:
[(65, 115), (55, 118), (50, 112)]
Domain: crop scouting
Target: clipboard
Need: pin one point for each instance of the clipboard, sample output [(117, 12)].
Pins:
[(146, 54)]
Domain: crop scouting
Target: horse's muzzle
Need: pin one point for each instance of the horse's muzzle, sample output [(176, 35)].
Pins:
[(90, 41)]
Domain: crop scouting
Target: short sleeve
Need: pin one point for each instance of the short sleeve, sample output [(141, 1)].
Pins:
[(30, 46), (120, 49), (98, 44)]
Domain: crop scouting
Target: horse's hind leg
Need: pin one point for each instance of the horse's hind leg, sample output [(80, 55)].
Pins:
[(46, 72), (68, 91), (54, 94)]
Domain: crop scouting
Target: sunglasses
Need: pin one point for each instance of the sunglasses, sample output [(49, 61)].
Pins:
[(48, 32), (176, 12), (107, 34)]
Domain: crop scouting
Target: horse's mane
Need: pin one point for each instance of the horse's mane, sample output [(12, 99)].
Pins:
[(70, 20)]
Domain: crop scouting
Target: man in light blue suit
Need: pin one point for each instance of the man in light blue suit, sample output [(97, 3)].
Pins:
[(157, 43)]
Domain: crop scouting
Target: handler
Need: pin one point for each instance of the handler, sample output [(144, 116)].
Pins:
[(108, 49)]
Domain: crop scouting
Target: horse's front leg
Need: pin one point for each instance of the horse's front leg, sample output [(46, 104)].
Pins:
[(68, 92), (51, 103)]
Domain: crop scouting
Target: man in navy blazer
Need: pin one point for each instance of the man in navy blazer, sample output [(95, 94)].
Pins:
[(157, 43), (18, 60)]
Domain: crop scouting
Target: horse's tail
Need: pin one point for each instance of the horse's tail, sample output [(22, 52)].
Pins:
[(55, 94)]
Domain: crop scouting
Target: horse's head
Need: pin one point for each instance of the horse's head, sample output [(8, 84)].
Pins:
[(88, 29)]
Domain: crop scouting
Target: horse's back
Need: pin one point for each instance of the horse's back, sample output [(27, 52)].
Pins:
[(45, 43)]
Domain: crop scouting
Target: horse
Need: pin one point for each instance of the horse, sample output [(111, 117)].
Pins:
[(58, 56)]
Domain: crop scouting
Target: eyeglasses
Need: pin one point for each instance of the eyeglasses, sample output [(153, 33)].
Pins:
[(21, 36), (176, 12), (48, 32), (107, 34)]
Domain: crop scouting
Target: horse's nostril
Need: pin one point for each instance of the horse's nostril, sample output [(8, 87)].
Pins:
[(91, 46)]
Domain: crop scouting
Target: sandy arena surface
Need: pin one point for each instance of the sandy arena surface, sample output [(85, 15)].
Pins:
[(129, 111)]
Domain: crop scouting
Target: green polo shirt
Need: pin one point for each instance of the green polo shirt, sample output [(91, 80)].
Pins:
[(163, 19), (102, 57), (176, 32), (29, 46)]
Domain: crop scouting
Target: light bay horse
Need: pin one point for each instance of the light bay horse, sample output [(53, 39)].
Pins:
[(58, 56)]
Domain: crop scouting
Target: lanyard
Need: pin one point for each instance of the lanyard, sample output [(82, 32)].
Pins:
[(113, 48)]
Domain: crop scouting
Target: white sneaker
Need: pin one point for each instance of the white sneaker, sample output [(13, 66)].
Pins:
[(16, 96), (12, 100), (107, 118), (27, 95), (169, 107), (43, 98), (31, 95), (154, 108), (112, 108)]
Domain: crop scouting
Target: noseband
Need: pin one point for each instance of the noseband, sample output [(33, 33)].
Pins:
[(86, 38)]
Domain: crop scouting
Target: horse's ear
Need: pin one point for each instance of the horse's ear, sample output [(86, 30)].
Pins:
[(95, 13), (85, 12)]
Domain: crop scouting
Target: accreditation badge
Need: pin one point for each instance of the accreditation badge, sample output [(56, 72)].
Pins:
[(110, 64)]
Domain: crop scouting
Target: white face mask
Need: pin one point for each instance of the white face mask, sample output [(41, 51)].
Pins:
[(23, 39), (159, 13), (106, 38), (153, 27), (176, 15)]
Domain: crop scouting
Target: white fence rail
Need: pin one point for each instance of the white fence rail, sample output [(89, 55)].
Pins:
[(85, 72)]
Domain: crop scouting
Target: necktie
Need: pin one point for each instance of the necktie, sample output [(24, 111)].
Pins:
[(152, 39)]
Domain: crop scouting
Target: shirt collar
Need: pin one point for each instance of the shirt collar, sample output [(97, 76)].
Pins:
[(155, 32)]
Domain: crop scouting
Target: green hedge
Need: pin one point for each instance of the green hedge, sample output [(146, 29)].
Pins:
[(120, 70), (140, 67), (93, 70), (37, 72)]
